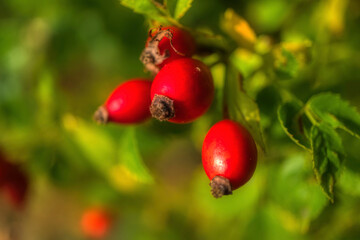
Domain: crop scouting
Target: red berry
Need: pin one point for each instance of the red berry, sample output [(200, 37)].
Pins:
[(182, 91), (128, 103), (95, 223), (15, 189), (229, 157), (4, 173), (166, 44), (13, 183)]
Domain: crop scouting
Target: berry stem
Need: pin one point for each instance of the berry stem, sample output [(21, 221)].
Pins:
[(220, 186)]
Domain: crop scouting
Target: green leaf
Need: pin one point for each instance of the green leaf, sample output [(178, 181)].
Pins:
[(285, 64), (238, 28), (301, 50), (122, 166), (292, 121), (246, 61), (295, 193), (269, 99), (129, 157), (333, 110), (270, 15), (129, 172), (241, 107), (291, 57), (147, 8), (182, 6), (328, 156), (95, 144), (349, 182)]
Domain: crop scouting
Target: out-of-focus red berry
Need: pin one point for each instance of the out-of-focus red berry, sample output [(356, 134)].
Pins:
[(95, 223), (14, 183)]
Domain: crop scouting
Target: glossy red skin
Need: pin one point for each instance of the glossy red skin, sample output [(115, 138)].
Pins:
[(95, 223), (188, 82), (182, 41), (129, 102), (229, 151)]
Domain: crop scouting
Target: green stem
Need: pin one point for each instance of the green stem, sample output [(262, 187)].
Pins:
[(166, 14), (311, 116)]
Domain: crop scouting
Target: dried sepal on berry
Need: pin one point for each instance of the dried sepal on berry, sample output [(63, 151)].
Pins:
[(220, 186), (165, 44), (162, 108)]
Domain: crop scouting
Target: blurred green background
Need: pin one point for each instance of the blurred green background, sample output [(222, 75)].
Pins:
[(60, 59)]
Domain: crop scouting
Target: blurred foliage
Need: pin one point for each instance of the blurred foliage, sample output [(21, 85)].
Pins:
[(287, 70)]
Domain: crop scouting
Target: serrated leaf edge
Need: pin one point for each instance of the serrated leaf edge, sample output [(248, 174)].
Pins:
[(183, 12), (291, 136), (308, 107)]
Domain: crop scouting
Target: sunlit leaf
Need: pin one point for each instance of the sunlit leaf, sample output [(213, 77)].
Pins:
[(246, 61), (238, 28), (334, 12), (122, 165), (328, 157), (129, 170), (130, 158), (207, 39), (335, 111), (146, 8), (291, 57), (96, 145), (241, 107), (263, 44), (182, 6), (285, 64), (301, 50)]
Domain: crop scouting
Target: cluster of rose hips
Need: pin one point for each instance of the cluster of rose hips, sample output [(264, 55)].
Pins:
[(181, 91), (13, 183)]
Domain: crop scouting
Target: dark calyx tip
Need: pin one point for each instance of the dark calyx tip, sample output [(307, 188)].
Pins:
[(220, 186), (101, 115), (162, 108)]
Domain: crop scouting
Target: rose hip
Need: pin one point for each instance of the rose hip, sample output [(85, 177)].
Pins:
[(182, 91), (128, 103), (164, 45), (229, 157)]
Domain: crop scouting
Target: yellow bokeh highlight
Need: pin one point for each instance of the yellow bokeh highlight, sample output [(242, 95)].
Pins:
[(70, 122), (334, 14), (238, 28), (122, 179)]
